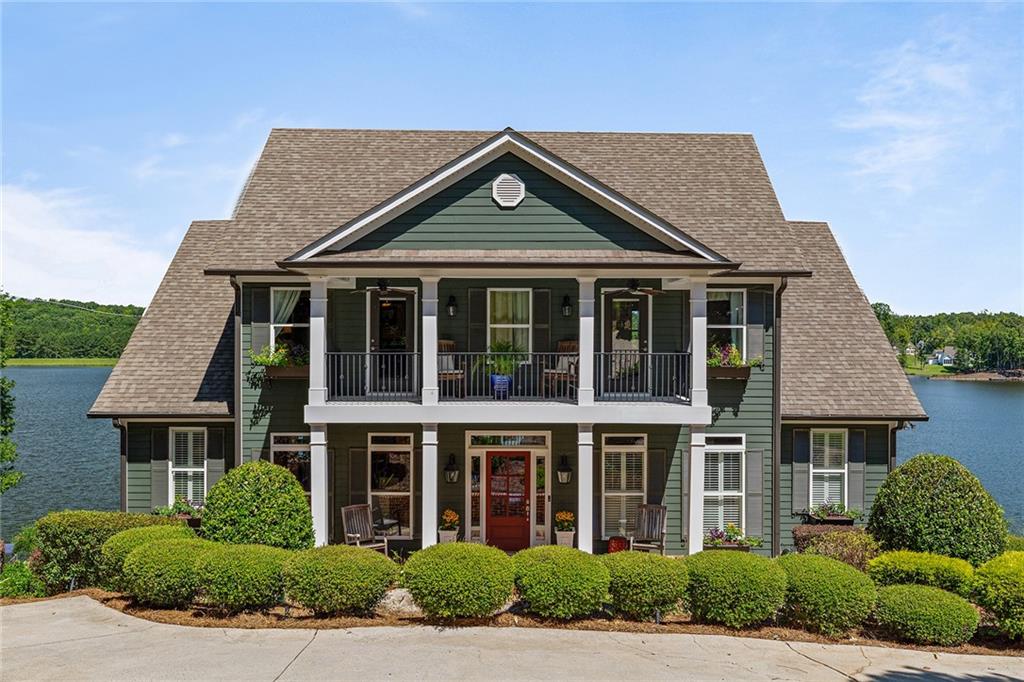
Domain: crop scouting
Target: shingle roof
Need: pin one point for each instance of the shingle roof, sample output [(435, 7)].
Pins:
[(836, 360)]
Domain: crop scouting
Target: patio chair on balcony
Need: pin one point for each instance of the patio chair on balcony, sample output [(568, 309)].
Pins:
[(650, 528), (560, 380), (357, 522), (450, 377)]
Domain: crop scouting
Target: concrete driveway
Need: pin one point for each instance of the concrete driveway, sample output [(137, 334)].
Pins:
[(77, 638)]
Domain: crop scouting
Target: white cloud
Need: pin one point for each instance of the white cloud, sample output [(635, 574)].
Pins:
[(59, 244), (171, 140)]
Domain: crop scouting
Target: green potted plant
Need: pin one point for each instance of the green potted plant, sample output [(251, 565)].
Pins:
[(448, 529), (832, 513), (283, 361), (726, 362), (730, 538), (501, 361)]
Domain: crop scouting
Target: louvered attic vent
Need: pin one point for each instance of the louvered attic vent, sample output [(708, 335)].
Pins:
[(507, 190)]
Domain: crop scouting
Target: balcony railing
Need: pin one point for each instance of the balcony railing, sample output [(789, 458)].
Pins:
[(378, 375), (508, 376), (634, 376)]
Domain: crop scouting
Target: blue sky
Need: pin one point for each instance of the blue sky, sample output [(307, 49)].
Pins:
[(900, 124)]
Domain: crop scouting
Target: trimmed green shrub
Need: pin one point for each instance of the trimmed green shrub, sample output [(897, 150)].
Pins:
[(644, 585), (1014, 543), (561, 582), (459, 579), (921, 568), (242, 577), (734, 588), (932, 503), (338, 579), (25, 542), (118, 546), (163, 573), (1000, 589), (259, 503), (825, 595), (806, 534), (18, 580), (925, 615), (69, 545), (855, 548)]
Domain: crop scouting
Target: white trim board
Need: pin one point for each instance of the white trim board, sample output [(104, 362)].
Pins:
[(507, 141)]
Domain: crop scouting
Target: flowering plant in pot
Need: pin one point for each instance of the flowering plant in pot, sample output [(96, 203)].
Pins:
[(502, 360), (726, 362), (730, 538), (565, 527), (285, 359), (188, 511), (833, 512), (448, 529)]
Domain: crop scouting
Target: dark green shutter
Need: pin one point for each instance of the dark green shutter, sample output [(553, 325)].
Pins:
[(684, 478), (417, 490), (597, 508), (753, 511), (357, 493), (477, 341), (260, 326), (656, 459), (755, 324), (855, 468), (801, 470), (542, 321), (214, 456), (160, 467)]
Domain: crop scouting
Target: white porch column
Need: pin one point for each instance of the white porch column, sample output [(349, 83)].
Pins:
[(699, 345), (429, 326), (429, 478), (318, 341), (586, 367), (319, 498), (585, 489), (695, 527)]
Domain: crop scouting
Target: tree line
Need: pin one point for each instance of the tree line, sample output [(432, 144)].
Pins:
[(983, 341), (70, 329)]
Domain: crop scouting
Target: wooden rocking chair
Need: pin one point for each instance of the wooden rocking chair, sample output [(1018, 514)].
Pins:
[(450, 377), (357, 522), (564, 372), (650, 528)]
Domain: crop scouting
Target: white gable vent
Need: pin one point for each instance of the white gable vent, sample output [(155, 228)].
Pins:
[(507, 190)]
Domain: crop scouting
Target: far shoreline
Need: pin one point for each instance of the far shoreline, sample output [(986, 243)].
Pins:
[(61, 362), (972, 376)]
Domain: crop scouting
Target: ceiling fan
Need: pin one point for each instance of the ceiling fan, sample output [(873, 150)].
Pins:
[(382, 288), (634, 288)]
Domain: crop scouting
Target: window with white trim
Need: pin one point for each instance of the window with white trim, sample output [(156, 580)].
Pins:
[(727, 319), (187, 458), (828, 467), (723, 482), (390, 471), (624, 481), (291, 451), (509, 318), (289, 317)]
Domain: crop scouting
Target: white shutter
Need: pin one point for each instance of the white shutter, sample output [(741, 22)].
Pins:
[(731, 511), (634, 472), (836, 450), (712, 483), (612, 472), (818, 448), (826, 488), (732, 472), (712, 513)]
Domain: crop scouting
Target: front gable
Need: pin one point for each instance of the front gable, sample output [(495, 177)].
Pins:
[(466, 215)]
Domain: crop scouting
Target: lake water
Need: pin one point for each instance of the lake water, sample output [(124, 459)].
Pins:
[(73, 462)]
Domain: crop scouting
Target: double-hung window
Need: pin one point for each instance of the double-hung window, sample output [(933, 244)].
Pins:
[(291, 451), (727, 320), (289, 317), (390, 482), (624, 481), (188, 465), (828, 467), (509, 317), (723, 482)]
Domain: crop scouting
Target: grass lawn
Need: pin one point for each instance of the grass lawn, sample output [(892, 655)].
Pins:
[(62, 362), (915, 367)]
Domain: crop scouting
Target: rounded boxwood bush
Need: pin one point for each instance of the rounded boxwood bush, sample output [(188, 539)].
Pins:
[(459, 579), (923, 568), (932, 503), (925, 615), (644, 585), (242, 577), (259, 503), (163, 572), (1000, 589), (18, 580), (119, 545), (338, 579), (825, 595), (734, 588), (561, 582)]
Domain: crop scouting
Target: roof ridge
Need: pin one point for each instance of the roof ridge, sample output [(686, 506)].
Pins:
[(485, 131)]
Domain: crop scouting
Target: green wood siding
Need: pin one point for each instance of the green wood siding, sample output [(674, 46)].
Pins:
[(552, 216)]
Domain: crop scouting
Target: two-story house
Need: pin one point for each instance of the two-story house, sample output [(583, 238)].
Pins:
[(511, 325)]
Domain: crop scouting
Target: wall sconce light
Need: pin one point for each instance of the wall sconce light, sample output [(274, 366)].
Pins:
[(451, 470), (452, 307), (566, 306), (564, 471)]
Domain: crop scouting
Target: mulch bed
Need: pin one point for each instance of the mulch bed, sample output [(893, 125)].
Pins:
[(987, 642)]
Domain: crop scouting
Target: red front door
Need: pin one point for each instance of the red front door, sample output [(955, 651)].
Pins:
[(508, 500)]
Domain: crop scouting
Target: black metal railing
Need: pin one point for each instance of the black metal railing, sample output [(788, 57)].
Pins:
[(508, 376), (378, 375), (634, 376)]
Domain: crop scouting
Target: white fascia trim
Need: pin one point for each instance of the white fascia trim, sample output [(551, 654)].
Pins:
[(516, 144), (502, 412)]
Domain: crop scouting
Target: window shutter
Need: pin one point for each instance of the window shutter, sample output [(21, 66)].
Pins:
[(656, 460), (541, 320), (754, 502), (214, 456), (757, 302), (417, 491), (711, 482), (855, 486), (595, 526), (801, 469), (357, 476), (477, 341), (260, 322), (684, 479), (160, 468)]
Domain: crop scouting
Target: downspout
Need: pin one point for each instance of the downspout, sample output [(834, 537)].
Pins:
[(777, 421), (122, 429), (237, 402)]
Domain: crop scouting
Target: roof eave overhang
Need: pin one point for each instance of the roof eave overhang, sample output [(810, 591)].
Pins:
[(854, 418), (107, 414), (507, 141)]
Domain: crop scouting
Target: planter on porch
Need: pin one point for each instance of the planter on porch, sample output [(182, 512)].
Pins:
[(740, 373), (446, 536), (564, 538), (500, 385), (731, 546), (288, 372), (830, 520)]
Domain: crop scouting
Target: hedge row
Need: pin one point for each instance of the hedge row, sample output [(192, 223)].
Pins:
[(923, 568)]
